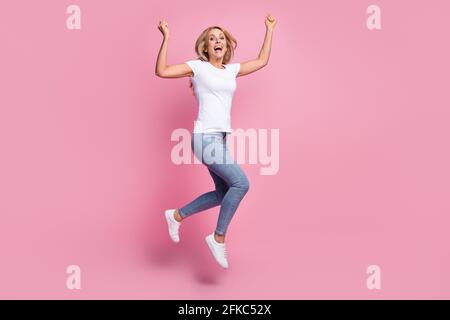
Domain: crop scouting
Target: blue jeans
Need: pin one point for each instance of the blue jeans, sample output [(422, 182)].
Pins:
[(231, 183)]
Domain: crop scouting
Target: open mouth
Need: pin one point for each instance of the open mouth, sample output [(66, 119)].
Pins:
[(218, 49)]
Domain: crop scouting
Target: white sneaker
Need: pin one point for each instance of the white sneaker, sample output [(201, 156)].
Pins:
[(218, 250), (173, 225)]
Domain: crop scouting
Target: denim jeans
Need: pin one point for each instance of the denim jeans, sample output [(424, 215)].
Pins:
[(231, 183)]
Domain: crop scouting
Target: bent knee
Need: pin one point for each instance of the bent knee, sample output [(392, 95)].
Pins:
[(244, 184)]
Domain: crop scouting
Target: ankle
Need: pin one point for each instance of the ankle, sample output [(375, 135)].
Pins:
[(219, 238), (177, 215)]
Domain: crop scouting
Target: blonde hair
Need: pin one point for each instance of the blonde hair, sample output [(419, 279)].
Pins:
[(202, 44)]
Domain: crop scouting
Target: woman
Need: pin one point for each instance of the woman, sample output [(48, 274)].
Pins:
[(214, 82)]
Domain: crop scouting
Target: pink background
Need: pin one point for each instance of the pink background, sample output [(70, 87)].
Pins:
[(85, 144)]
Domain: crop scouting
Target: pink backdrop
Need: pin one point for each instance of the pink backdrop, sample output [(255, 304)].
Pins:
[(85, 169)]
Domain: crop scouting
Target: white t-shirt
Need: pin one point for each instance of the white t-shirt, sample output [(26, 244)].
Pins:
[(214, 89)]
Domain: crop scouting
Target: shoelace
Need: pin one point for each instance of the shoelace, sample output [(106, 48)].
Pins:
[(224, 252)]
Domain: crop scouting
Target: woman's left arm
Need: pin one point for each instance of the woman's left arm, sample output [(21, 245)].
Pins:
[(263, 57)]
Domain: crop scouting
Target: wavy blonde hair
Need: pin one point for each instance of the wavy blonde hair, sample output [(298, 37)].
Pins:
[(202, 44)]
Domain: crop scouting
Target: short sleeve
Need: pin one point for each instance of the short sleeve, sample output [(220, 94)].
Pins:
[(193, 64), (237, 68)]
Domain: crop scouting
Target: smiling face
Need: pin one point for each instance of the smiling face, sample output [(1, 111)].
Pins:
[(217, 44)]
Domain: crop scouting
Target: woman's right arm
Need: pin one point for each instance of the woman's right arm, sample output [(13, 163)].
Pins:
[(162, 69)]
